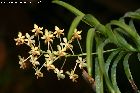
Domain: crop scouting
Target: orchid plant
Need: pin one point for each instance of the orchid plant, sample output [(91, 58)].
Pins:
[(98, 36)]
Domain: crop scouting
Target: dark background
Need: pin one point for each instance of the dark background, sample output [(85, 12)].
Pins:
[(21, 17)]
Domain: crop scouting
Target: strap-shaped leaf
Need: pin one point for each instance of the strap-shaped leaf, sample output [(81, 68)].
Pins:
[(109, 60), (133, 15), (131, 24), (122, 19), (123, 43), (73, 26), (99, 48), (93, 22), (126, 67), (98, 78), (113, 72), (88, 19), (133, 35), (125, 27), (120, 30), (128, 72), (69, 7), (89, 46), (110, 34)]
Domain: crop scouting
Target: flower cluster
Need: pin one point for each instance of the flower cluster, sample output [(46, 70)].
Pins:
[(51, 55)]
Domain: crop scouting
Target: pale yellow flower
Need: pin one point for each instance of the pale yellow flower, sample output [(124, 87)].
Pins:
[(50, 56), (34, 61), (37, 30), (34, 51), (49, 65), (76, 35), (29, 39), (61, 51), (59, 73), (72, 76), (58, 32), (38, 73), (81, 62), (48, 36), (20, 40), (67, 44), (22, 62)]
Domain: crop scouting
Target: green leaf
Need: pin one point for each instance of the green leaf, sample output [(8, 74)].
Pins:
[(133, 15), (110, 34), (93, 22), (69, 7), (113, 72), (133, 35), (128, 72), (122, 19), (126, 28), (99, 50), (89, 46), (88, 19), (73, 26), (98, 78), (131, 24), (109, 60), (126, 67), (123, 43), (121, 31)]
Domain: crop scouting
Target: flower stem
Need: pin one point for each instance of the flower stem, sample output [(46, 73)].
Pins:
[(84, 54), (80, 46)]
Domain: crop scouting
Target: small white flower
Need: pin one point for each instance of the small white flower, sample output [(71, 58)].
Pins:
[(35, 51), (59, 73), (34, 61), (50, 56), (81, 62), (58, 32), (38, 73), (49, 65), (76, 35), (67, 44), (72, 76), (37, 30), (48, 36), (29, 39), (22, 62), (61, 51), (20, 40)]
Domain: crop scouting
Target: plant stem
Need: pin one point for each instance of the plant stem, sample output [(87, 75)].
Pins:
[(84, 54)]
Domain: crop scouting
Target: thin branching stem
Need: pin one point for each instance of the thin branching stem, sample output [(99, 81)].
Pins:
[(84, 54), (63, 63), (80, 46)]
